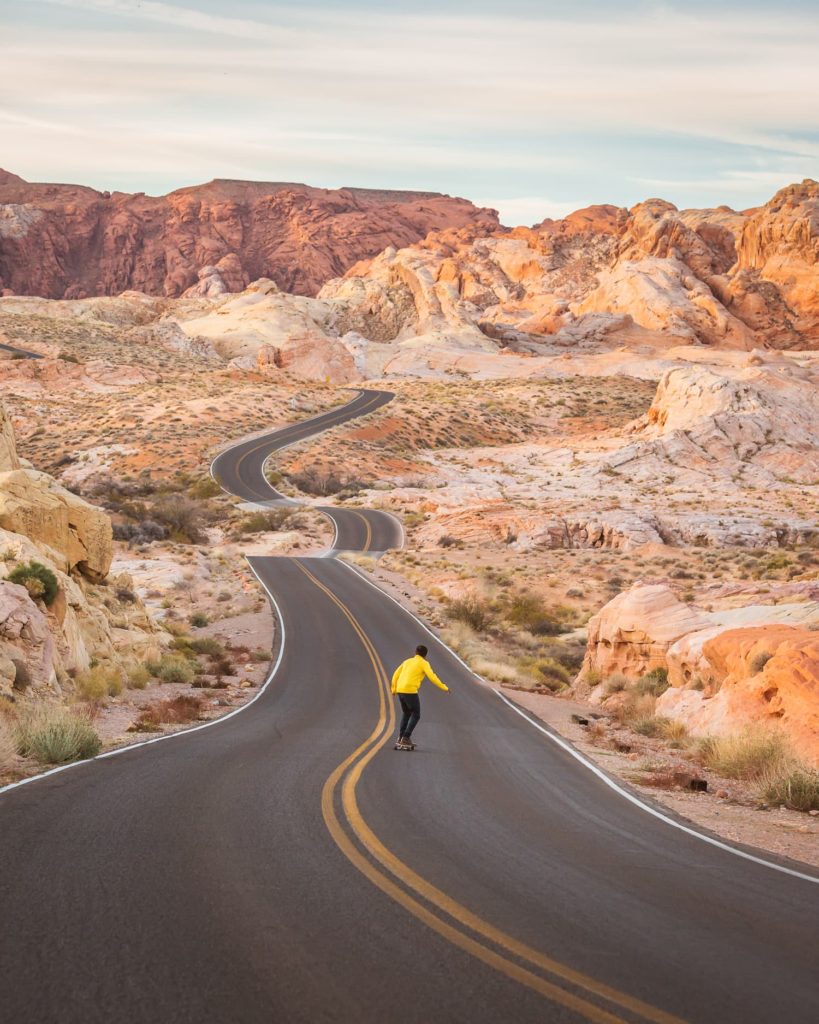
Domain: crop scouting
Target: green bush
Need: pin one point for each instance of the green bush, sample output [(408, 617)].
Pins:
[(53, 734), (38, 580), (206, 645), (198, 619)]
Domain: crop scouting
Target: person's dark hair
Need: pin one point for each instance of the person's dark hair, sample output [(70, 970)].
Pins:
[(420, 649)]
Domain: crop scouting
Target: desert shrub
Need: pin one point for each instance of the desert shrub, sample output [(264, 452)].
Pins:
[(446, 540), (616, 683), (183, 517), (143, 532), (98, 683), (205, 488), (552, 671), (759, 661), (654, 682), (529, 612), (635, 708), (8, 748), (498, 671), (198, 620), (137, 677), (750, 754), (205, 645), (38, 580), (53, 734), (267, 522), (569, 653), (173, 711), (176, 669), (658, 727), (475, 612), (797, 788)]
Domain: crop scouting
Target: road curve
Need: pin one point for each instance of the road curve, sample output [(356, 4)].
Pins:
[(287, 865), (240, 471)]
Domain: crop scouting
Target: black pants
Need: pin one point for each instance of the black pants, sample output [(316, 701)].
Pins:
[(411, 706)]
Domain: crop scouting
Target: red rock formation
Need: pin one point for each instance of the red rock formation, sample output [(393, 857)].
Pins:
[(68, 241)]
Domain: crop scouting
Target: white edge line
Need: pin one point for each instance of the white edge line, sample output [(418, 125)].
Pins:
[(632, 798), (590, 765), (181, 732)]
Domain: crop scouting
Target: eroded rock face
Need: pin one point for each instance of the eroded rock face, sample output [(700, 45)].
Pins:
[(76, 535), (743, 662), (633, 632), (27, 647), (767, 674), (717, 277), (780, 242), (67, 241)]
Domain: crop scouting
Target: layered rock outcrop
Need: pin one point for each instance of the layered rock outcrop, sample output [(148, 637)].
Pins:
[(68, 241), (717, 277), (74, 534), (92, 617), (750, 659)]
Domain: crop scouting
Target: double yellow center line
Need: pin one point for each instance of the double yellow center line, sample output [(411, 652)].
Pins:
[(469, 932)]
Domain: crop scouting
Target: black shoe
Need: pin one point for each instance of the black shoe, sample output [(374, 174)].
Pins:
[(400, 744), (408, 744)]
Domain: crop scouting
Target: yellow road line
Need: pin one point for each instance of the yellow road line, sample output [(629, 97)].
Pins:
[(401, 871), (369, 535)]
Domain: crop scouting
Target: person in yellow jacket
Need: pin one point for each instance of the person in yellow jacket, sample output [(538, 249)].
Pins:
[(406, 681)]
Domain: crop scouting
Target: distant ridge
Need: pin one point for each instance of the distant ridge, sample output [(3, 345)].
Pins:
[(73, 241)]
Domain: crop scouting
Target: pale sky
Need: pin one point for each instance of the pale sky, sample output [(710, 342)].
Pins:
[(535, 107)]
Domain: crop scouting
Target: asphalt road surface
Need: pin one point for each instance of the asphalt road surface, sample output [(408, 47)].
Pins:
[(287, 865), (21, 353)]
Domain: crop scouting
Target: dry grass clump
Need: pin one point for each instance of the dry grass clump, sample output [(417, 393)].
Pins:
[(137, 677), (750, 754), (764, 757), (98, 683), (53, 734), (8, 748), (797, 789), (659, 727), (173, 711)]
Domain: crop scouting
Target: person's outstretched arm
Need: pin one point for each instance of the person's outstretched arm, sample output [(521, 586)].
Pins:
[(433, 678), (395, 676)]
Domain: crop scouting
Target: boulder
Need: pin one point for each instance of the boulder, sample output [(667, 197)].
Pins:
[(633, 632), (76, 534)]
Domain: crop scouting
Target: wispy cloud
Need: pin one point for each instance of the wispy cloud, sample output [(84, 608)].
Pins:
[(594, 104)]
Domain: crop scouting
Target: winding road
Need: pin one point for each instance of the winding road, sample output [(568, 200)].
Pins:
[(284, 864)]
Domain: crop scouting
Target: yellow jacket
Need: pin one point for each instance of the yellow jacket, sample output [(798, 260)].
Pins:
[(409, 675)]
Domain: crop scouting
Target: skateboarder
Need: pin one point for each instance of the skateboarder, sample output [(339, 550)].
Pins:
[(406, 681)]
